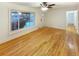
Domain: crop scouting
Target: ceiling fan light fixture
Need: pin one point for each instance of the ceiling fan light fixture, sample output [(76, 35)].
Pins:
[(44, 8)]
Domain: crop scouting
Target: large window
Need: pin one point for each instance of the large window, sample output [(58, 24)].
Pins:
[(21, 20)]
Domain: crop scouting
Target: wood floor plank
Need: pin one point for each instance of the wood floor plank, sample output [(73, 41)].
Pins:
[(42, 42)]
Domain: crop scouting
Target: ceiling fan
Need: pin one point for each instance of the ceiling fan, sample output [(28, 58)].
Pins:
[(45, 4)]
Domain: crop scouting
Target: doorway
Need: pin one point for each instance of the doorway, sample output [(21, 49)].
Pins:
[(71, 31), (72, 21)]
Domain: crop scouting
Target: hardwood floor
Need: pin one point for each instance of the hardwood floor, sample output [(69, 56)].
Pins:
[(71, 28), (42, 42)]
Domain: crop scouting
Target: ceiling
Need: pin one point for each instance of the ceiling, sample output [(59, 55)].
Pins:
[(58, 4)]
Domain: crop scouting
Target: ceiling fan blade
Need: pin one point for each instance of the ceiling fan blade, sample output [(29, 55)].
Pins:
[(49, 7), (52, 5), (44, 4), (41, 5)]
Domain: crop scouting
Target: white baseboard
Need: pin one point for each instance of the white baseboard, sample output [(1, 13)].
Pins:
[(56, 27)]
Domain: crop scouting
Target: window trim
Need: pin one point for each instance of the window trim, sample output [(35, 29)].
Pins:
[(21, 29)]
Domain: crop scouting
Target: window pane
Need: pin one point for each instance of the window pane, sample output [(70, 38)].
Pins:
[(24, 20), (14, 21), (32, 19)]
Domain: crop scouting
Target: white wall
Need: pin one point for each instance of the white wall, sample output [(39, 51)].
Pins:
[(56, 17), (4, 20)]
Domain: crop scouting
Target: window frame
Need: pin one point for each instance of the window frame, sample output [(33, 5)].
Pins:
[(20, 29)]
